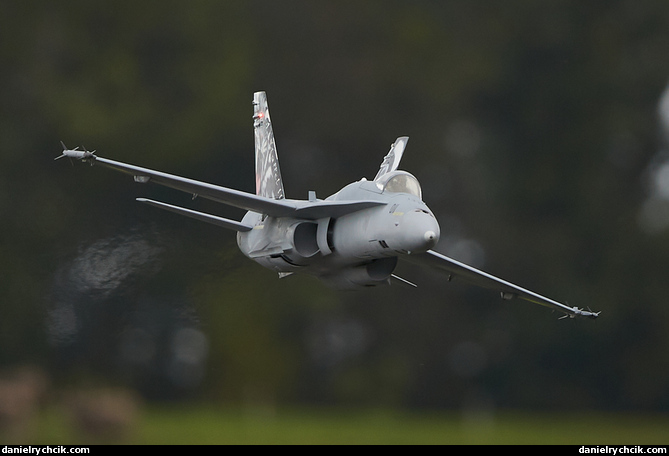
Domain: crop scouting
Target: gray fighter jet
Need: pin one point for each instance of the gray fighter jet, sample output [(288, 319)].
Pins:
[(351, 239)]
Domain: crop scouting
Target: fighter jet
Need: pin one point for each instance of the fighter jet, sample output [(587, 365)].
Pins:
[(351, 239)]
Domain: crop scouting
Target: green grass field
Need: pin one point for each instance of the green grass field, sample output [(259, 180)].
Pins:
[(203, 425)]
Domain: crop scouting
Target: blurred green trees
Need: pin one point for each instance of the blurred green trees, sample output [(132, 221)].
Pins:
[(534, 131)]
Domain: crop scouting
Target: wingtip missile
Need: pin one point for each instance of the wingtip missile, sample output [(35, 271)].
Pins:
[(576, 312), (63, 155), (75, 153)]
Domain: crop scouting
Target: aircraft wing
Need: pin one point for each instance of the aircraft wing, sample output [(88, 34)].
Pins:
[(482, 279), (310, 210)]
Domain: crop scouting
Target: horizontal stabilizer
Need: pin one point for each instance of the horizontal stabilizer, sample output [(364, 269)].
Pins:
[(403, 281), (213, 219)]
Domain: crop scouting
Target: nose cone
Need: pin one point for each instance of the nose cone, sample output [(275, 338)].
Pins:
[(431, 238), (421, 232)]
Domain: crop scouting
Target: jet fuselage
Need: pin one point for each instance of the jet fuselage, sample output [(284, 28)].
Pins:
[(351, 239), (353, 250)]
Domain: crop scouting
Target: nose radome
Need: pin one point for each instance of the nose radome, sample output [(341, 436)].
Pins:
[(432, 233), (422, 232)]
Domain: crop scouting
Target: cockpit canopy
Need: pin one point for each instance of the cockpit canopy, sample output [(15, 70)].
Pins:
[(400, 182)]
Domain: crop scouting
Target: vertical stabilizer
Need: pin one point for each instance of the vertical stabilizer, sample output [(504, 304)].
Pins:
[(268, 174), (392, 160)]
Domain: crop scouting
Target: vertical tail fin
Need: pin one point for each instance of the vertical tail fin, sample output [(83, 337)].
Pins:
[(392, 160), (268, 174)]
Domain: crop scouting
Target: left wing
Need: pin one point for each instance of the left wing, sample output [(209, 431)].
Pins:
[(479, 278), (311, 210)]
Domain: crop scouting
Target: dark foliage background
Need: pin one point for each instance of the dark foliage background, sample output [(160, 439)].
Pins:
[(538, 131)]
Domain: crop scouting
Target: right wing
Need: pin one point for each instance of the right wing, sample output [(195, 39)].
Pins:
[(310, 210), (482, 279)]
